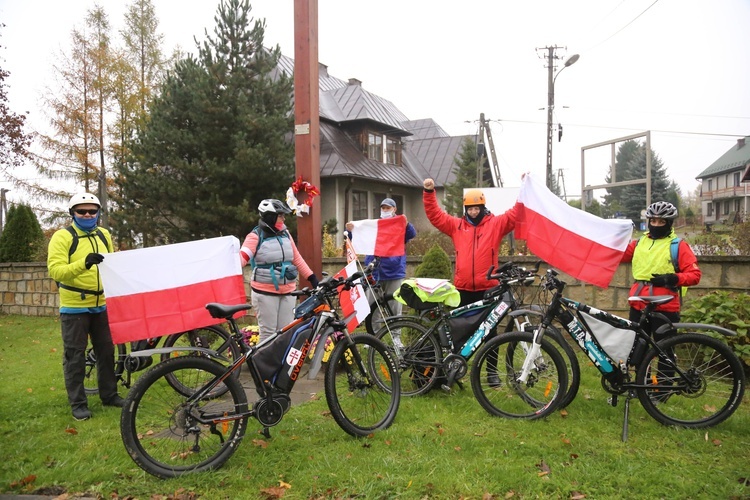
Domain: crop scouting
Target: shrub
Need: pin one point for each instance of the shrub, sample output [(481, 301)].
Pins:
[(728, 309), (435, 264), (330, 249), (22, 239), (425, 240)]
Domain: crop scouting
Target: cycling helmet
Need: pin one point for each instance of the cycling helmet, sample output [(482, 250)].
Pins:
[(473, 197), (661, 210), (269, 210), (274, 206), (81, 198)]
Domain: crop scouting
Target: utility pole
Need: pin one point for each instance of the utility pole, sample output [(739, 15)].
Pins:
[(484, 128), (551, 77)]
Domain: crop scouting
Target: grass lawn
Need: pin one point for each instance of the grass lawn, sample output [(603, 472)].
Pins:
[(441, 446)]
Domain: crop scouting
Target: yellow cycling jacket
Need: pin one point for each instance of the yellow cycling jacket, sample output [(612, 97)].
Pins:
[(79, 287)]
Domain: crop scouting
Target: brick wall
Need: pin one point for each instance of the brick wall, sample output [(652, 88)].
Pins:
[(26, 289)]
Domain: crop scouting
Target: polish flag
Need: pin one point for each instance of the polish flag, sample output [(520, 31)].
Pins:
[(380, 237), (354, 304), (163, 290), (578, 243)]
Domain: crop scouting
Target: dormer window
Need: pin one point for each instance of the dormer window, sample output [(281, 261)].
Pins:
[(391, 154)]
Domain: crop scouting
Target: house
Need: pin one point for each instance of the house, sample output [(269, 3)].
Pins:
[(725, 186), (370, 150)]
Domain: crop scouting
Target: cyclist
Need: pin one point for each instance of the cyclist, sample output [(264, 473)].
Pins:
[(656, 272), (73, 255), (276, 265), (476, 238), (653, 269), (390, 271)]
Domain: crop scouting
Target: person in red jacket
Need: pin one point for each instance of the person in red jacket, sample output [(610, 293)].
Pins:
[(654, 273), (476, 237)]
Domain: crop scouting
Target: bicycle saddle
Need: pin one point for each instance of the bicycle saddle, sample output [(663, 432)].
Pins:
[(225, 311)]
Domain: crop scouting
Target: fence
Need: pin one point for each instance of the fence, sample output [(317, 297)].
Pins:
[(26, 289)]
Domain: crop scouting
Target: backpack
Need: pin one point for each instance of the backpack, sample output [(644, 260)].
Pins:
[(674, 247), (76, 237)]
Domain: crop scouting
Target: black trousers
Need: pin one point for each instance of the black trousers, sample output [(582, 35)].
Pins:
[(76, 330)]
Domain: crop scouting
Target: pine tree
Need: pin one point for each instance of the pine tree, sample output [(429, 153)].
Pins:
[(435, 264), (22, 239), (217, 140), (630, 163)]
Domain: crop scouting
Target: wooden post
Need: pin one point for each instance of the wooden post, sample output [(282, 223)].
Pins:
[(307, 126)]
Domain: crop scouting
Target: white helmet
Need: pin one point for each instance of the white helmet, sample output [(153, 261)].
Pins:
[(81, 198)]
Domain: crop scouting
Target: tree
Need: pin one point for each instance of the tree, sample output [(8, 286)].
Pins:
[(75, 147), (216, 143), (465, 172), (435, 264), (630, 163), (14, 141), (22, 239)]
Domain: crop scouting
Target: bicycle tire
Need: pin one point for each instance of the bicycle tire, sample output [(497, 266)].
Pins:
[(713, 393), (91, 374), (507, 397), (158, 425), (358, 404), (420, 360), (211, 337), (516, 358)]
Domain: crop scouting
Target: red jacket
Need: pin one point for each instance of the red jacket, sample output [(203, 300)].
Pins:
[(477, 247)]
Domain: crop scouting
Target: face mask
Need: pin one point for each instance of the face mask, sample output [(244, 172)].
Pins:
[(388, 214), (278, 226), (86, 224), (657, 232)]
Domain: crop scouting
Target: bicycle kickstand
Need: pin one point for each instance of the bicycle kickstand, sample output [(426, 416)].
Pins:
[(627, 415)]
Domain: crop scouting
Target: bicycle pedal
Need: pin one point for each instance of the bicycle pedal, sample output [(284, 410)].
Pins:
[(446, 388), (612, 401)]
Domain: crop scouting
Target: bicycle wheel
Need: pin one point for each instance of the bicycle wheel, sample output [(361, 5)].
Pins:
[(358, 403), (516, 354), (505, 395), (420, 359), (91, 375), (710, 390), (212, 337), (167, 434)]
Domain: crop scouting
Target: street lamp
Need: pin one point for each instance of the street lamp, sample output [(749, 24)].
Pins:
[(551, 104)]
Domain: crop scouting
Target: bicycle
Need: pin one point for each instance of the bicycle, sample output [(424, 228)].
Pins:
[(689, 380), (169, 433), (429, 351), (214, 338)]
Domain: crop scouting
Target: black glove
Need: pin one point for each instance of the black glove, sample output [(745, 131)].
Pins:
[(313, 280), (93, 258), (664, 280)]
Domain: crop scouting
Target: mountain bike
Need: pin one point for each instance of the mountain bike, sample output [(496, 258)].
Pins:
[(168, 431), (431, 353), (691, 380), (212, 337)]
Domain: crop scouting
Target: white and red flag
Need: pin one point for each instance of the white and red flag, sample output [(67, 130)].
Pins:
[(354, 304), (380, 237), (162, 290), (578, 243)]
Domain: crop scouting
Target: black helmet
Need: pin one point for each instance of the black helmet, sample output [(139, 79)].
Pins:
[(661, 210)]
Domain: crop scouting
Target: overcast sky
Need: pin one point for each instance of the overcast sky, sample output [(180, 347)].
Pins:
[(678, 68)]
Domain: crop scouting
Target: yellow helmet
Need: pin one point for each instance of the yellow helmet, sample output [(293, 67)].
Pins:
[(474, 197)]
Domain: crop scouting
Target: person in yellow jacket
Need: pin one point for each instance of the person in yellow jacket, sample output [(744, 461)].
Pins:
[(72, 258)]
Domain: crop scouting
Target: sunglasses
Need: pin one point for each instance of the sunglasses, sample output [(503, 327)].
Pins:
[(90, 211)]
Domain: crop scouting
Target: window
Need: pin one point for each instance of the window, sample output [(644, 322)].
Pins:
[(737, 205), (736, 179), (359, 205), (726, 208), (377, 198), (375, 146), (710, 184), (710, 209), (392, 151)]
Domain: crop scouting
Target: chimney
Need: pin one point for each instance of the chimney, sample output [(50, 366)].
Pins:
[(322, 70), (354, 81), (741, 143)]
